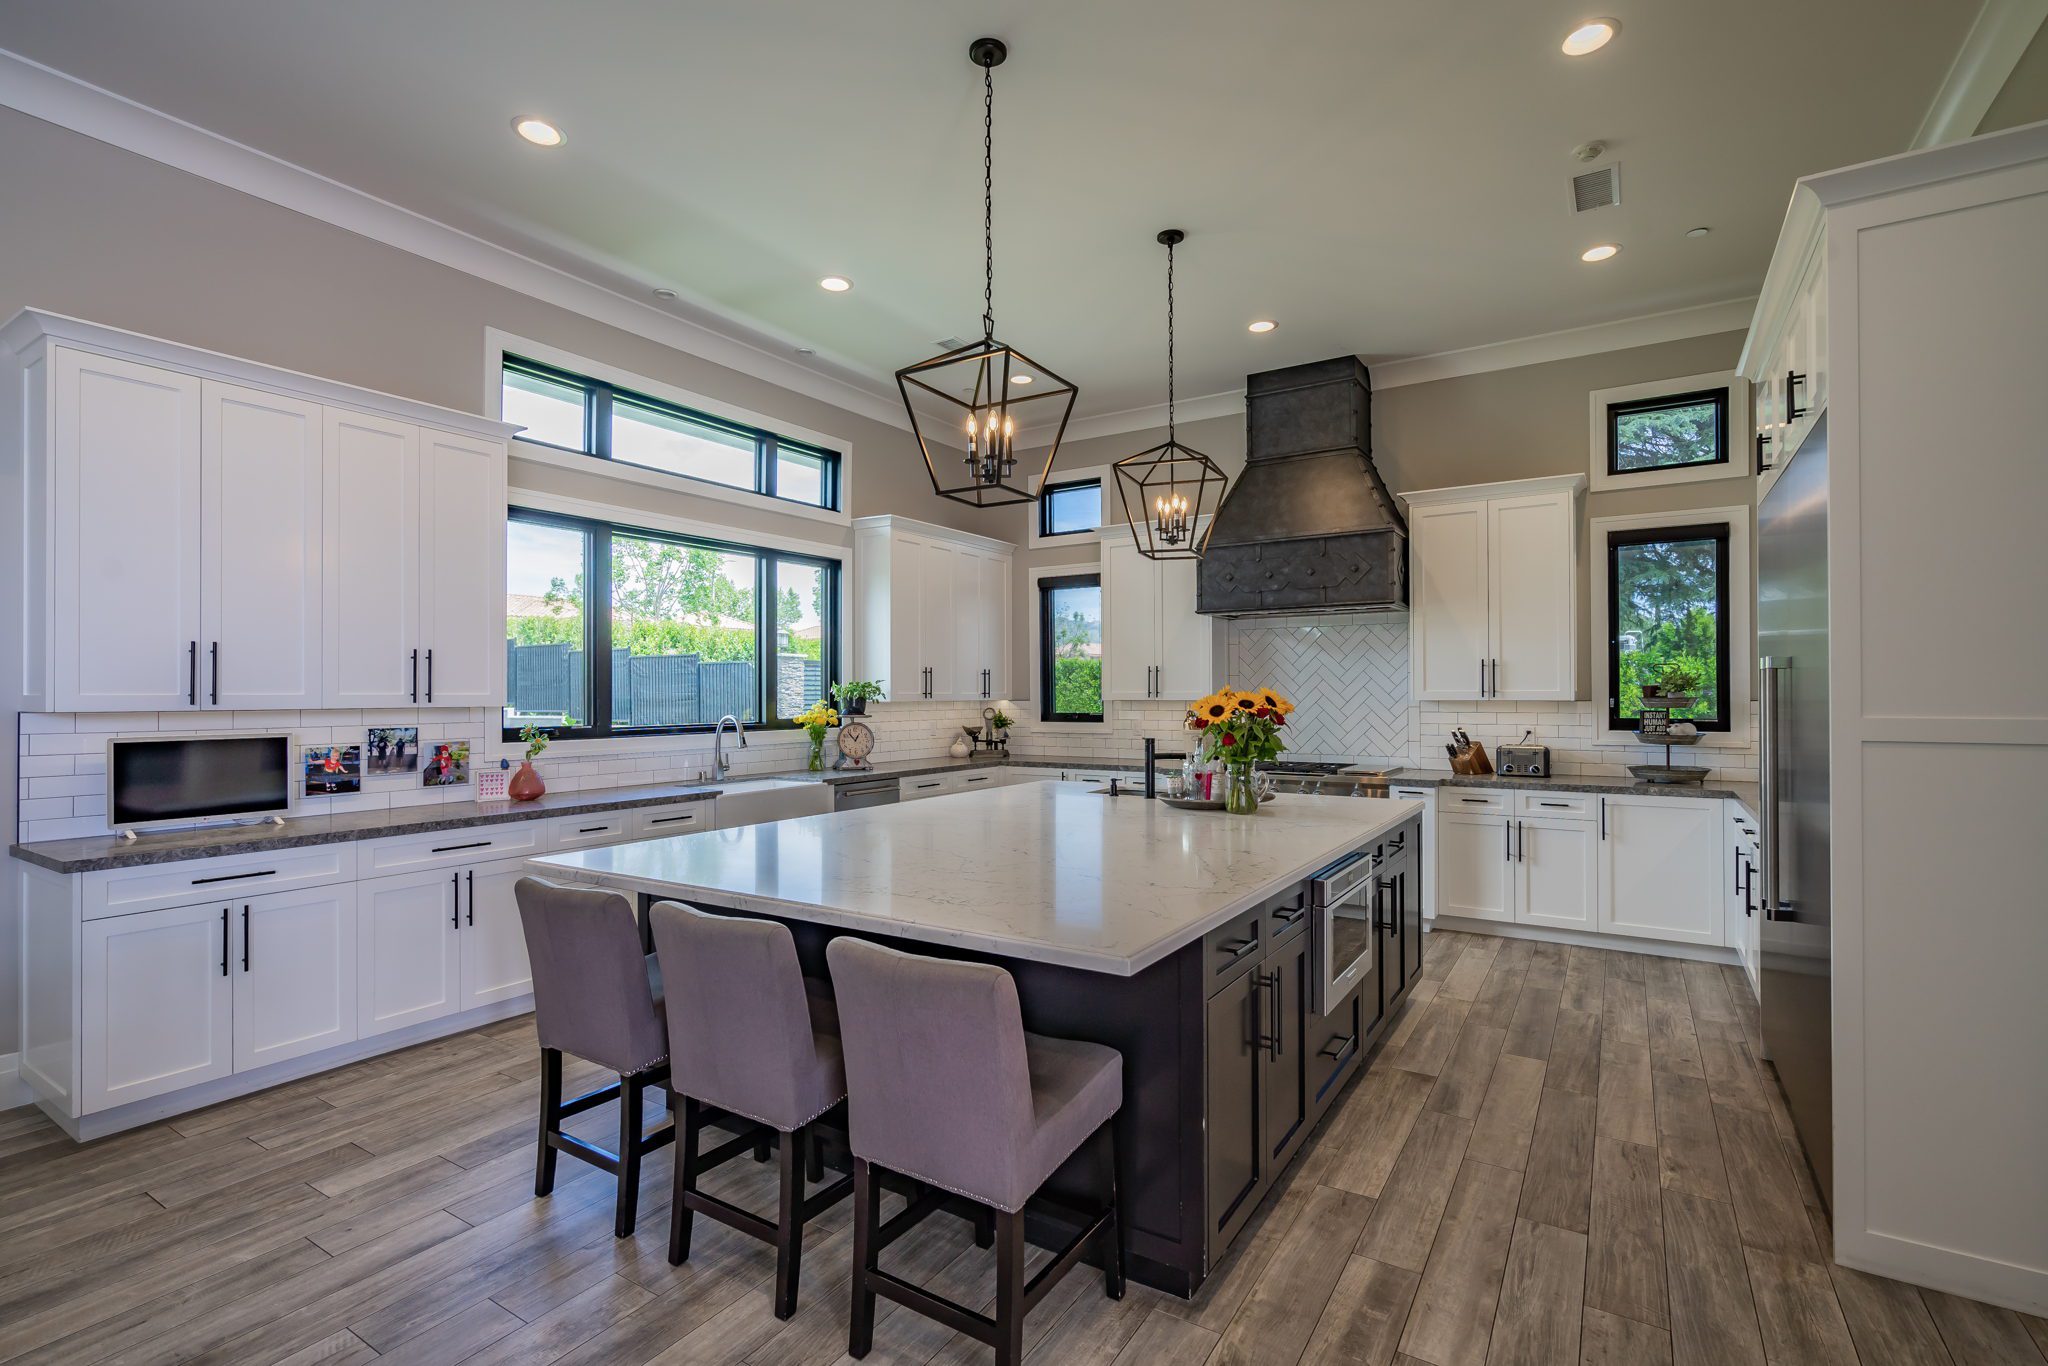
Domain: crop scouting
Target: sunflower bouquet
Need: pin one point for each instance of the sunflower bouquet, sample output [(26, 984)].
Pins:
[(815, 722), (1240, 729)]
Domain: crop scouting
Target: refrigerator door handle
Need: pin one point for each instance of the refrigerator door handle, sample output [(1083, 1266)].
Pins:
[(1769, 667)]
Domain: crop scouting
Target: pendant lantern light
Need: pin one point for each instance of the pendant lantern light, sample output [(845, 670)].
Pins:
[(990, 387), (1170, 492)]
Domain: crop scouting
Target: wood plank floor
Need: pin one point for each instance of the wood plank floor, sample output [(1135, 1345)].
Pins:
[(1561, 1156)]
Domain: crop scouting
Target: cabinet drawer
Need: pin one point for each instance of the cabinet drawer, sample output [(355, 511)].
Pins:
[(1335, 1041), (1229, 951), (931, 785), (653, 822), (584, 832), (1567, 805), (1287, 918), (1466, 799), (448, 848), (976, 782), (123, 891)]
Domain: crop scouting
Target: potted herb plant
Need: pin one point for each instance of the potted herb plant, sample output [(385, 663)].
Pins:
[(526, 784), (853, 697)]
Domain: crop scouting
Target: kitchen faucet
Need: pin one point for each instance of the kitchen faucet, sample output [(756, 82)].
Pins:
[(720, 765), (1152, 757)]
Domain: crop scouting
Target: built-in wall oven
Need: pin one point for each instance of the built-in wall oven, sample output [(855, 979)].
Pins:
[(1344, 909)]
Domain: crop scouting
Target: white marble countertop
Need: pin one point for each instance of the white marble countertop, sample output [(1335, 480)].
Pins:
[(1052, 872)]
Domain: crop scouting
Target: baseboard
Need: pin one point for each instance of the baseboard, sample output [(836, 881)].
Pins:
[(1624, 943), (14, 1092), (2021, 1288)]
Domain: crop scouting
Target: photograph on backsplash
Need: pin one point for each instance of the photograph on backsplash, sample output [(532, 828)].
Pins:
[(392, 749), (447, 766), (333, 770)]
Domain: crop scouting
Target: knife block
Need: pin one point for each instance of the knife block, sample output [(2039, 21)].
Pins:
[(1470, 761)]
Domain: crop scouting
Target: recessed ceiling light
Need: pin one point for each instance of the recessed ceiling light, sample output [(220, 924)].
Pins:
[(664, 294), (1600, 253), (1262, 325), (837, 284), (1590, 36), (1697, 232), (539, 132), (1020, 379)]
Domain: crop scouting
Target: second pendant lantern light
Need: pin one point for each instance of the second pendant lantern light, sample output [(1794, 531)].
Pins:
[(1170, 492)]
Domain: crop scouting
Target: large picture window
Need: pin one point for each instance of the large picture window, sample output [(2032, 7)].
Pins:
[(687, 630), (578, 413), (1070, 647), (1668, 605)]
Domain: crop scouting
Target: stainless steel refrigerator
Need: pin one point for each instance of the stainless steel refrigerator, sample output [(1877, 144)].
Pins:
[(1794, 936)]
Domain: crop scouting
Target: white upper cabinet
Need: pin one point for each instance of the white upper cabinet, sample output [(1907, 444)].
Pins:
[(1155, 645), (260, 551), (206, 532), (1493, 575), (124, 541), (932, 611)]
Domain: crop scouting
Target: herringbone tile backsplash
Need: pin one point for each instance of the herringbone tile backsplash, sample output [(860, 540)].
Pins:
[(1346, 675)]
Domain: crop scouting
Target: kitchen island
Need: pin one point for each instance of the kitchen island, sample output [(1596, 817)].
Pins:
[(1182, 939)]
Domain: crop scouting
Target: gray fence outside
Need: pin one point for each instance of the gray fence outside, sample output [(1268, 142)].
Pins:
[(650, 690)]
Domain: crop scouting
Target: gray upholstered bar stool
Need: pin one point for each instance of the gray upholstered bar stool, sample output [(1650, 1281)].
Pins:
[(946, 1088), (596, 995), (746, 1037)]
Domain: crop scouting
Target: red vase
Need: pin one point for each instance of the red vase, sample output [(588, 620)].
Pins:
[(526, 785)]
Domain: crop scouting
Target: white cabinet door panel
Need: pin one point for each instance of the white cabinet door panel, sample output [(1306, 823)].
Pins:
[(462, 571), (494, 965), (1187, 639), (1474, 877), (1557, 872), (408, 955), (1448, 585), (938, 571), (261, 575), (295, 984), (157, 1004), (126, 614), (370, 518), (1130, 623), (1533, 587), (1660, 869)]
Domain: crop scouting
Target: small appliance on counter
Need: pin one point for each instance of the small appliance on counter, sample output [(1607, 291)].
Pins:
[(1524, 760)]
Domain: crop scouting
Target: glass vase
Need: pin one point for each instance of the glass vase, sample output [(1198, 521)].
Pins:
[(1241, 790), (817, 764)]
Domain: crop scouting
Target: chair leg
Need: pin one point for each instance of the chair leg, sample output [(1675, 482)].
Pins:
[(761, 1147), (1009, 1343), (789, 1221), (984, 1226), (550, 1120), (867, 1215), (680, 1215), (814, 1155), (631, 1090), (1111, 1248)]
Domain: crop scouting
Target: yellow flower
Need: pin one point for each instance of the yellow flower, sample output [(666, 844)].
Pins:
[(1214, 707), (1244, 701)]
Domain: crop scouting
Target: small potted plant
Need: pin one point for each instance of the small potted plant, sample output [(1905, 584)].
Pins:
[(853, 697), (816, 721), (526, 785), (1675, 685)]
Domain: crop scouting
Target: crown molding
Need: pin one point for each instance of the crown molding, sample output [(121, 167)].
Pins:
[(60, 99), (1984, 63), (1731, 315), (1153, 416)]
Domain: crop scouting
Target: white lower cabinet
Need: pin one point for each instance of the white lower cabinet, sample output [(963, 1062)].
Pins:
[(295, 980), (1557, 872), (1660, 868), (1474, 875), (438, 942), (157, 1004)]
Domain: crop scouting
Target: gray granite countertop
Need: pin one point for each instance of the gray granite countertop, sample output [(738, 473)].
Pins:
[(918, 768)]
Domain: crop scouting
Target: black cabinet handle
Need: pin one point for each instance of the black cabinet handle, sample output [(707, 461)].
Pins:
[(1477, 801), (593, 829), (214, 652), (1793, 379), (1385, 923), (1561, 806), (245, 938), (1507, 841), (223, 941), (1338, 1047), (192, 674), (452, 848), (1763, 439), (1288, 919), (415, 675), (233, 877), (1238, 948), (1279, 1019), (430, 675), (1603, 818), (455, 918), (671, 820), (472, 896)]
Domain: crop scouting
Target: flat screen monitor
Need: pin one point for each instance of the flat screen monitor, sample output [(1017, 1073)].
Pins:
[(182, 780)]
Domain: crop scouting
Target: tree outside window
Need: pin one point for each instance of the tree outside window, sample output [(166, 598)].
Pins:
[(1070, 647), (1668, 605)]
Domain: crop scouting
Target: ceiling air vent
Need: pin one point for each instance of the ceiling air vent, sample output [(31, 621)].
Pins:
[(1596, 189)]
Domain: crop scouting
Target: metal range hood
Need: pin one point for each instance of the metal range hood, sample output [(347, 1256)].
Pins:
[(1309, 526)]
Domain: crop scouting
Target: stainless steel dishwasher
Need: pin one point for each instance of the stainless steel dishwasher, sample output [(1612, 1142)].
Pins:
[(863, 792)]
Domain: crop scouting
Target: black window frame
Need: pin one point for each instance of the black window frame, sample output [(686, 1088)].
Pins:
[(1722, 534), (597, 613), (1047, 586), (600, 395), (1717, 395), (1046, 496)]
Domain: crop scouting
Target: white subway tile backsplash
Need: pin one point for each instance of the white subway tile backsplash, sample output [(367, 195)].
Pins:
[(46, 723)]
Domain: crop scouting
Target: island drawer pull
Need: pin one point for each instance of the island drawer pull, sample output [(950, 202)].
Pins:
[(473, 844), (1290, 918), (1560, 806), (593, 829), (233, 877), (1338, 1047), (1238, 948)]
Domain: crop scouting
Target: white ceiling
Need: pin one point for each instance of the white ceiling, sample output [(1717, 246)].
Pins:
[(1385, 177)]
